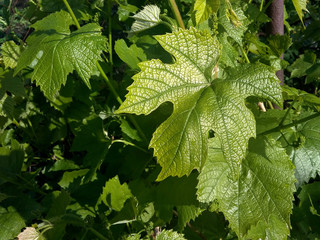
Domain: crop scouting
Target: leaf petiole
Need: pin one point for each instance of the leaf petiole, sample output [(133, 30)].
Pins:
[(130, 144), (71, 13), (287, 112), (176, 12), (295, 123), (167, 21)]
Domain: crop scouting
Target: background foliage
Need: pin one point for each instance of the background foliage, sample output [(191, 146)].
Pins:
[(200, 160)]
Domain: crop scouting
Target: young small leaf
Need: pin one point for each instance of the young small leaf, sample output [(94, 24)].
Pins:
[(54, 52), (204, 8), (147, 18), (234, 21), (130, 55), (114, 194)]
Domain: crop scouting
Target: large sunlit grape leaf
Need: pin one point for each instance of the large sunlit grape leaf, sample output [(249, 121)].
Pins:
[(262, 195), (201, 103), (53, 52)]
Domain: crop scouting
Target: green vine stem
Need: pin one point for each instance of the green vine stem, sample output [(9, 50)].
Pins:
[(261, 5), (104, 75), (167, 21), (295, 123), (245, 54), (129, 143), (97, 234), (176, 13), (287, 112), (114, 92), (110, 39), (71, 13)]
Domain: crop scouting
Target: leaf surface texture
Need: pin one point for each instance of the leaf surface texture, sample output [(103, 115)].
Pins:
[(262, 195), (201, 102), (54, 52)]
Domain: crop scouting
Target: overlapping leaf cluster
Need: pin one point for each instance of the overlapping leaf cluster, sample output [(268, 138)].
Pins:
[(201, 161), (201, 102)]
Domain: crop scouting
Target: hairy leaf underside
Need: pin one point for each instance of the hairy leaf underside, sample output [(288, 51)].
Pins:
[(201, 102)]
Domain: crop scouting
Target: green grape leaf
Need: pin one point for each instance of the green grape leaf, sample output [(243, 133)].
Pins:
[(313, 73), (204, 8), (301, 142), (233, 21), (200, 102), (10, 52), (147, 18), (304, 98), (133, 237), (11, 84), (124, 10), (304, 221), (114, 194), (275, 229), (60, 201), (7, 104), (130, 55), (229, 53), (300, 66), (54, 52), (170, 235), (306, 155), (186, 213), (261, 196), (299, 6), (70, 176), (11, 223), (11, 160), (279, 44), (90, 137)]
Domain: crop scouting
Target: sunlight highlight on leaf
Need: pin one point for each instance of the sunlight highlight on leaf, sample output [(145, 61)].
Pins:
[(201, 103), (147, 18)]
